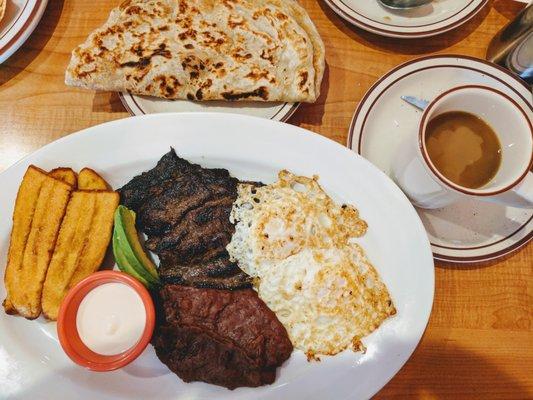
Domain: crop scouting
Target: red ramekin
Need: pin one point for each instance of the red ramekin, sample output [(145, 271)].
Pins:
[(68, 332)]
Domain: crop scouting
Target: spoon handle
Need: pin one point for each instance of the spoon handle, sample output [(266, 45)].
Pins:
[(414, 101)]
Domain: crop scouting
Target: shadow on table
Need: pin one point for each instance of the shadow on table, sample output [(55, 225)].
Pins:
[(406, 46), (445, 370), (509, 9), (35, 43), (107, 102), (312, 113)]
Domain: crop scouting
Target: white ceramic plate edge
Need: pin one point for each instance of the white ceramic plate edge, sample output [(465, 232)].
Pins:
[(34, 16), (285, 111), (406, 32)]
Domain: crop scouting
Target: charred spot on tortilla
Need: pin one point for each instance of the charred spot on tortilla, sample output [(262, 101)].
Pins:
[(257, 75), (144, 61), (189, 33), (303, 78), (260, 92)]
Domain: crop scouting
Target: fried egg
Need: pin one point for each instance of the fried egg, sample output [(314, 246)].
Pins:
[(300, 246)]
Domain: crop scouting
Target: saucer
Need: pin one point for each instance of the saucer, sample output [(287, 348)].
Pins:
[(468, 231), (140, 105), (429, 20), (19, 21)]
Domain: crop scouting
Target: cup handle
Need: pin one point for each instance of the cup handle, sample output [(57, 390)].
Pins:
[(520, 196)]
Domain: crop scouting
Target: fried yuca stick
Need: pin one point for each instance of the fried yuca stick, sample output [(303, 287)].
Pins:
[(81, 246), (88, 179), (71, 245), (25, 204), (99, 235), (83, 239), (67, 175), (49, 211)]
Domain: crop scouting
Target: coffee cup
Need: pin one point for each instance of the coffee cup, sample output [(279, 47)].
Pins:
[(512, 185)]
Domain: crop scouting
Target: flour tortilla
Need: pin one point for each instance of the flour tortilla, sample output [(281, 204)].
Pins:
[(257, 50)]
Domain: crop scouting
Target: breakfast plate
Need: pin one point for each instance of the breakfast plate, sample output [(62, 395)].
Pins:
[(140, 105), (32, 364), (467, 231), (429, 20), (20, 19)]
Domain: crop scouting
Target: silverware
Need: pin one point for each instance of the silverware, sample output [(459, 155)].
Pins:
[(403, 4), (414, 101), (512, 47)]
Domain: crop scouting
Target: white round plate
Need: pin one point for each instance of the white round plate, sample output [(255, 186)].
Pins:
[(468, 231), (429, 20), (32, 364), (20, 19), (141, 105)]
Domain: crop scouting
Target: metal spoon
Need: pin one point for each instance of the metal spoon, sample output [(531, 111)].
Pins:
[(421, 104), (404, 4)]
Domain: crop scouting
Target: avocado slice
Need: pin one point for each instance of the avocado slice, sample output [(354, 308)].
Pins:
[(124, 249), (124, 266), (127, 217)]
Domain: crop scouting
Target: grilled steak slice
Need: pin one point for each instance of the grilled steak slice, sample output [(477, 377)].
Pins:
[(151, 183), (189, 353), (184, 209), (228, 338), (181, 238), (219, 273), (183, 194)]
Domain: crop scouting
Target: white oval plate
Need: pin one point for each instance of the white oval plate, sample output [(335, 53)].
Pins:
[(429, 20), (20, 19), (32, 364), (141, 105), (468, 231)]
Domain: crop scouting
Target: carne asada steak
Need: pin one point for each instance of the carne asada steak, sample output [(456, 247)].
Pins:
[(184, 209), (228, 338)]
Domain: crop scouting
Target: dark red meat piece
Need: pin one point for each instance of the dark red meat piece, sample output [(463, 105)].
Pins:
[(227, 338)]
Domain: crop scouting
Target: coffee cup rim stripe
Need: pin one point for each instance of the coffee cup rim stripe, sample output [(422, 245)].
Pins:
[(442, 178)]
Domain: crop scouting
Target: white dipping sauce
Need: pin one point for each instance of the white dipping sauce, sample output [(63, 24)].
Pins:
[(111, 319)]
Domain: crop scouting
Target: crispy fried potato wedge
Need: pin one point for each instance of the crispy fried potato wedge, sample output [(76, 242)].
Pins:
[(81, 246), (25, 295), (66, 175), (24, 210), (90, 180)]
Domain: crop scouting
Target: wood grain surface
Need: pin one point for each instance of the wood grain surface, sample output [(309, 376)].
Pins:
[(478, 344)]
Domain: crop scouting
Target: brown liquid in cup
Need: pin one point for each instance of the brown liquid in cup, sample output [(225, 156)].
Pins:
[(464, 148)]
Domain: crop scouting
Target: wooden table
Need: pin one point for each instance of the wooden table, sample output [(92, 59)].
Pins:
[(478, 343)]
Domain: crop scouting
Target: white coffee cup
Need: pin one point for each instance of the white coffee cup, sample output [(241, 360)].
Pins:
[(418, 177)]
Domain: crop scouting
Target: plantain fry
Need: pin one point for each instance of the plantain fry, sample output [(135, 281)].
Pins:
[(24, 210), (71, 245), (88, 179), (59, 237), (99, 235), (49, 211), (66, 175)]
